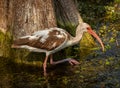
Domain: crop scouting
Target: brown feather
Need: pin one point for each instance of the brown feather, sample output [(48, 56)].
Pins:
[(21, 41), (51, 42)]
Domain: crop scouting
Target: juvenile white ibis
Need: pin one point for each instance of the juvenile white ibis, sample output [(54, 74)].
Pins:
[(52, 40)]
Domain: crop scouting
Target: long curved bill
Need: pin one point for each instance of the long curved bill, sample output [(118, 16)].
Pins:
[(96, 36)]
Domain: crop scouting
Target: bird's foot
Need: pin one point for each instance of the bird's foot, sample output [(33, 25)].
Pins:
[(73, 62), (70, 60), (45, 74)]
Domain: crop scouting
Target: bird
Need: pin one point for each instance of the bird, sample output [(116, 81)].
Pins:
[(52, 40)]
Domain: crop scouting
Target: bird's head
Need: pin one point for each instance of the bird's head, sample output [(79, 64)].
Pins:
[(84, 27)]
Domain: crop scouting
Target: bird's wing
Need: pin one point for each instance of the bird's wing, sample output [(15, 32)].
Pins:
[(45, 39)]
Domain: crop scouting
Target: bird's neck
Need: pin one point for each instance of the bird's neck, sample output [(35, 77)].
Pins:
[(78, 37)]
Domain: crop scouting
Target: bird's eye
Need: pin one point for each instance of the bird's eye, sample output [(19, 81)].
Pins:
[(88, 28)]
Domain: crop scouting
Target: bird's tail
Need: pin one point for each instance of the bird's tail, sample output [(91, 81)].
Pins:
[(21, 41)]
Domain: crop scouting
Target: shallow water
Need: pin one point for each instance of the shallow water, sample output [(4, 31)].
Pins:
[(98, 70)]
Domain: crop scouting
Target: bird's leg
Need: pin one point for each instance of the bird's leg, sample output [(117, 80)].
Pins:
[(51, 59), (45, 65), (70, 60)]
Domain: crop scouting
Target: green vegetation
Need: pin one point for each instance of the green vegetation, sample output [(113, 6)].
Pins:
[(5, 44), (104, 17), (97, 69)]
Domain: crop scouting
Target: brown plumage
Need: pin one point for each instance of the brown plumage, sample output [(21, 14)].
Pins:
[(55, 39)]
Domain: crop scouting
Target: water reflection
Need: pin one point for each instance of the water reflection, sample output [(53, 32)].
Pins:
[(92, 73)]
